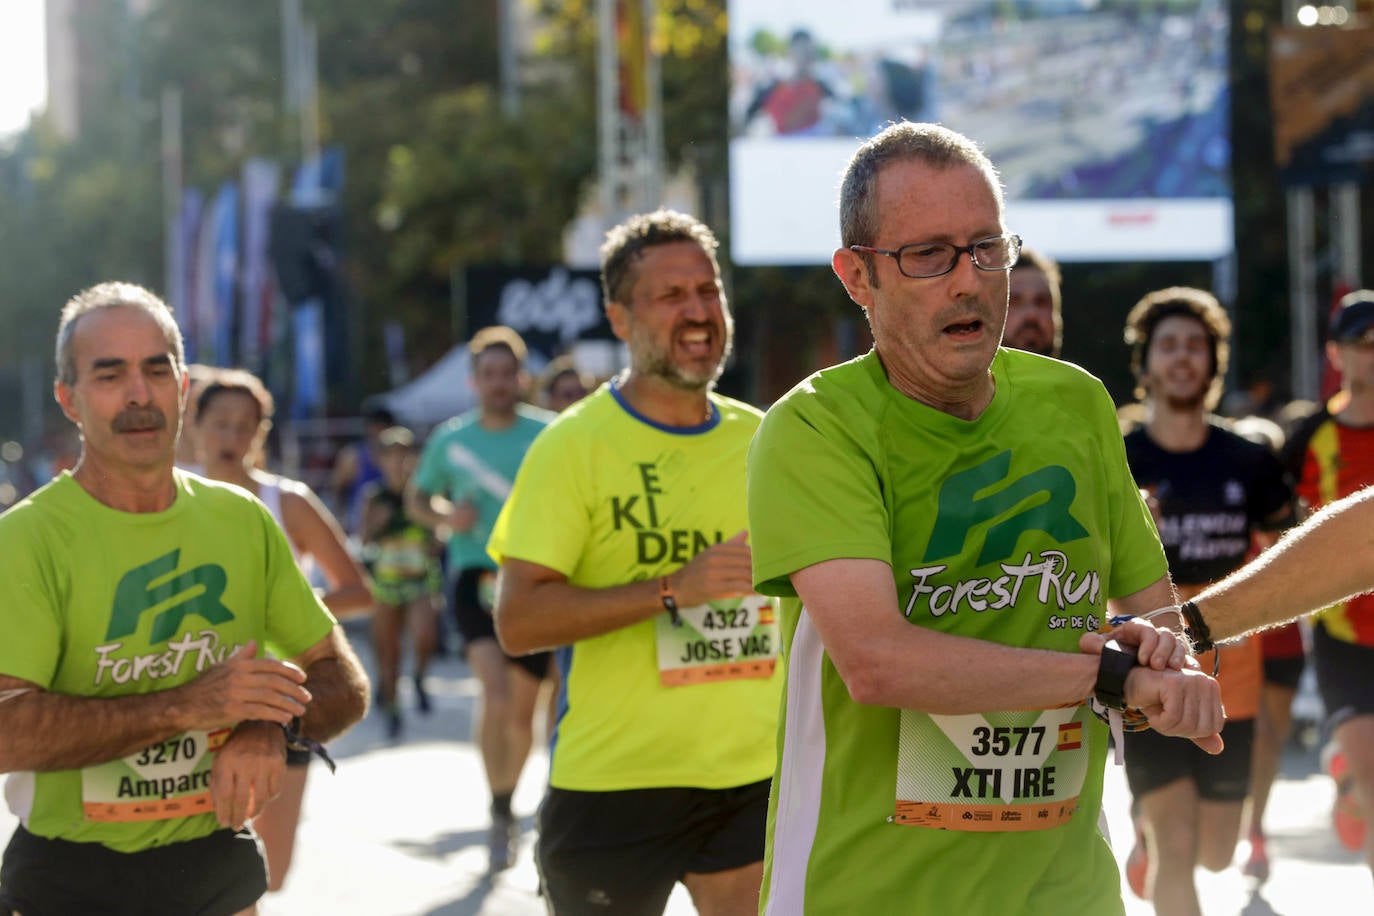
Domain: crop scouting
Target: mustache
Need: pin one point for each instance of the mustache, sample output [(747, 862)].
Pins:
[(139, 419)]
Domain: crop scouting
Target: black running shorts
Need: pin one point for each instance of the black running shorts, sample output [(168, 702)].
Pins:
[(472, 614), (1154, 760), (217, 875), (1343, 676), (622, 852)]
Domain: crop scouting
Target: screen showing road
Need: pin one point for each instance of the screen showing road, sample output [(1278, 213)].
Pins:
[(1108, 120)]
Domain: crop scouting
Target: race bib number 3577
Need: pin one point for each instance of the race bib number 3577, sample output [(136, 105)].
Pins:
[(718, 641), (992, 772)]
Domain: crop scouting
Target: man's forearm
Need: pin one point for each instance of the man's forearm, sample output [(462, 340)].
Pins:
[(549, 614), (44, 731), (1325, 560), (339, 695)]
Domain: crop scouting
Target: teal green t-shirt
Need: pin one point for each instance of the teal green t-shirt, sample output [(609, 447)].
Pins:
[(1014, 528), (103, 603), (464, 461)]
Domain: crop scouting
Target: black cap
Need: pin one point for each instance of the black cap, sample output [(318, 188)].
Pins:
[(1355, 316)]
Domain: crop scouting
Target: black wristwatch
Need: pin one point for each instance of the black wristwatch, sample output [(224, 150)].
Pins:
[(1112, 668)]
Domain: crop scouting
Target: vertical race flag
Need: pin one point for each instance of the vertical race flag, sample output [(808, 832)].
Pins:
[(226, 210), (260, 180)]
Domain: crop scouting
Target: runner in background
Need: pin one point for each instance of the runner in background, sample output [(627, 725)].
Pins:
[(188, 443), (1332, 454), (406, 579), (1035, 315), (561, 385), (233, 417), (355, 466), (1214, 490), (465, 474)]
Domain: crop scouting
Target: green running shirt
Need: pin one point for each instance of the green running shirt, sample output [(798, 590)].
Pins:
[(1014, 528), (103, 603), (462, 460), (605, 497)]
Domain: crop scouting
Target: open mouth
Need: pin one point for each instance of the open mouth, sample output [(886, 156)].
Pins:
[(964, 329), (696, 342)]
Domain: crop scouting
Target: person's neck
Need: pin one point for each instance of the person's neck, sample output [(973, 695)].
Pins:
[(1177, 430), (138, 490), (1358, 409), (966, 400), (496, 419), (663, 403)]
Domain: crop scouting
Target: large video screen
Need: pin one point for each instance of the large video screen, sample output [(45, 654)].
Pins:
[(1108, 120)]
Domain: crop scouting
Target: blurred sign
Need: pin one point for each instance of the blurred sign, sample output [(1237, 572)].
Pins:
[(1322, 91), (1109, 122), (550, 307)]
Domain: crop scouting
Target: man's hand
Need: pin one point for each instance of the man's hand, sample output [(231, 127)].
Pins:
[(463, 517), (240, 688), (1184, 703), (247, 772), (1159, 648), (723, 570)]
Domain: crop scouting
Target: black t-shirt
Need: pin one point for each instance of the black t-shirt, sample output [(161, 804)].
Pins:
[(1210, 499)]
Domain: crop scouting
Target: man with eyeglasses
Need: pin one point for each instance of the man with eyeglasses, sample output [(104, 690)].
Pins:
[(1332, 455), (949, 524)]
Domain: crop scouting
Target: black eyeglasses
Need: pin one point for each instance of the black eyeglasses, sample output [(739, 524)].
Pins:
[(935, 259)]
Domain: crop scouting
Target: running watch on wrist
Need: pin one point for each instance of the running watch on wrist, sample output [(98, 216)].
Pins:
[(1112, 668)]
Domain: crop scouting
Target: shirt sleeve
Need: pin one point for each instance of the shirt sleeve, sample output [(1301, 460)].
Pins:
[(547, 518), (432, 472), (30, 616), (814, 494), (296, 617)]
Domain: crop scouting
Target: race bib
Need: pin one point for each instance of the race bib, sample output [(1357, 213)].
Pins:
[(993, 772), (402, 558), (486, 590), (718, 641), (164, 780)]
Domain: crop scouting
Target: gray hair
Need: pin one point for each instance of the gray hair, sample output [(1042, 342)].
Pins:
[(901, 141), (110, 295)]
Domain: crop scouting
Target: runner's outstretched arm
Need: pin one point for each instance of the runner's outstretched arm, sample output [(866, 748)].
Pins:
[(1324, 560)]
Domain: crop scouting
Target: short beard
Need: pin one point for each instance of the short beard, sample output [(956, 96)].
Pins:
[(656, 363)]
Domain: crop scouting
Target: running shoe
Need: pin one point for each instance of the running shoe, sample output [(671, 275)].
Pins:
[(1346, 816), (502, 843), (1257, 866), (1137, 869)]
